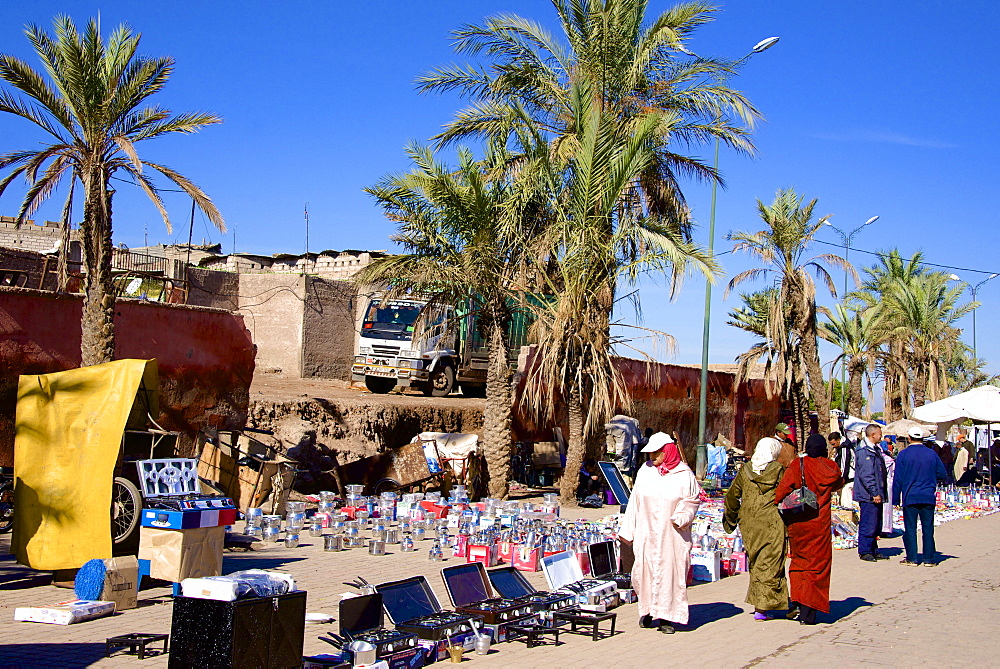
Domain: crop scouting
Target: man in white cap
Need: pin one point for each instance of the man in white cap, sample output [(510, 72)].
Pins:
[(918, 469)]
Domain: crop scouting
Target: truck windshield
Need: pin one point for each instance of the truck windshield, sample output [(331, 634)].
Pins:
[(393, 320)]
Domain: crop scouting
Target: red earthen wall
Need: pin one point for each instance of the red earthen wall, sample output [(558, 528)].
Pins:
[(205, 356), (666, 397)]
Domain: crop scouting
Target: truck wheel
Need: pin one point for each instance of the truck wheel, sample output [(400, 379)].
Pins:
[(473, 389), (441, 383), (378, 385)]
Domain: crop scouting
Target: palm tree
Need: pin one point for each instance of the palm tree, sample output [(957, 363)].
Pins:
[(611, 99), (87, 99), (466, 236), (859, 336), (923, 314), (599, 235), (636, 69), (892, 270), (781, 247), (755, 317)]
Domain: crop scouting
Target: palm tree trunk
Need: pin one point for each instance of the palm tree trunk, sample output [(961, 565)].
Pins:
[(920, 375), (575, 445), (97, 342), (497, 414), (854, 392), (810, 356)]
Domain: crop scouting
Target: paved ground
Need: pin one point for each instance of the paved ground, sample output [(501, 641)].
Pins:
[(882, 614)]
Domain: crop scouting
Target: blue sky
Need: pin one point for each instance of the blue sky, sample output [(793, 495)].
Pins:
[(873, 108)]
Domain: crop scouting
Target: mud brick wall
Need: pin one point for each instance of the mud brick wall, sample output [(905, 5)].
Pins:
[(205, 356), (328, 328)]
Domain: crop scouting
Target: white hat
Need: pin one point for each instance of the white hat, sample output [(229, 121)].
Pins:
[(656, 442), (916, 432)]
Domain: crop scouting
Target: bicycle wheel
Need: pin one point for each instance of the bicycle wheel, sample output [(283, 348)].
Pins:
[(126, 505), (6, 507)]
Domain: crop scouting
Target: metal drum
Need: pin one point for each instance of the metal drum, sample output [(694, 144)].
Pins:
[(254, 516)]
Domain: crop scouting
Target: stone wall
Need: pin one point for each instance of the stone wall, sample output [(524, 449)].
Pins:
[(205, 356), (328, 328)]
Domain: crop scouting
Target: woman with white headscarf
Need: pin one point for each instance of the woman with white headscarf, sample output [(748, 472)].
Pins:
[(750, 504)]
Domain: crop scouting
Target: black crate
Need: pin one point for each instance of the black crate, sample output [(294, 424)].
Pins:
[(255, 632)]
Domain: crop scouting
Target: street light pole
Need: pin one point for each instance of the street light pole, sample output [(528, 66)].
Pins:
[(702, 452), (975, 289), (847, 255)]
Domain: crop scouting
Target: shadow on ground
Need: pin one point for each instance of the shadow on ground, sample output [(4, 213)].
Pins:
[(50, 654), (704, 614), (843, 608), (242, 561)]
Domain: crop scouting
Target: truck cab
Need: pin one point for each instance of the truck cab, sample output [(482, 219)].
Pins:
[(408, 343)]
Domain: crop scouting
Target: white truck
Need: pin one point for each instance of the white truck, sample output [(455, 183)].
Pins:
[(407, 342)]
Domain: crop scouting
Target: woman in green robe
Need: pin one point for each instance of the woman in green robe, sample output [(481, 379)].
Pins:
[(750, 504)]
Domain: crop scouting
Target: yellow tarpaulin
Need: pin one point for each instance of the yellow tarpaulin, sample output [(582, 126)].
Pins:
[(68, 431)]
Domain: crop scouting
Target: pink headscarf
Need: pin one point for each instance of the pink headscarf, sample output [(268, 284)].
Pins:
[(672, 458)]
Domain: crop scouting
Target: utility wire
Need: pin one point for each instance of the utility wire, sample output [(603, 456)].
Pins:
[(880, 254)]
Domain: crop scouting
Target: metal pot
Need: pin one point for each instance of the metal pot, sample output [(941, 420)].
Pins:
[(392, 535), (291, 540), (362, 652), (376, 547), (333, 542)]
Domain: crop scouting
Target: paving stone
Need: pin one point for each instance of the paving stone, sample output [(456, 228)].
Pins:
[(883, 614)]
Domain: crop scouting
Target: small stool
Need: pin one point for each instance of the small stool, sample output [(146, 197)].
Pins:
[(534, 635), (136, 644), (591, 619)]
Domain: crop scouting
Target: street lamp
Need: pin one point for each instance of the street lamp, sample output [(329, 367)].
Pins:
[(702, 452), (975, 288), (847, 253)]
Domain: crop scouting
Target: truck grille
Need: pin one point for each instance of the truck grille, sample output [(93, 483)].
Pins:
[(386, 350)]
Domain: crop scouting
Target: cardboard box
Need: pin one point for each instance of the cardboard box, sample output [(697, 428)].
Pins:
[(167, 519), (411, 658), (121, 582), (64, 613), (461, 546), (705, 565), (741, 562), (488, 555), (432, 510), (505, 551), (178, 554), (438, 650), (526, 560)]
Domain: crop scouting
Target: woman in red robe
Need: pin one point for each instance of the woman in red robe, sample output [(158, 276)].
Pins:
[(809, 532)]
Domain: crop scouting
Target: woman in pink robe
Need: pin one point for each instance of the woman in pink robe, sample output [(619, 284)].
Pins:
[(657, 524)]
